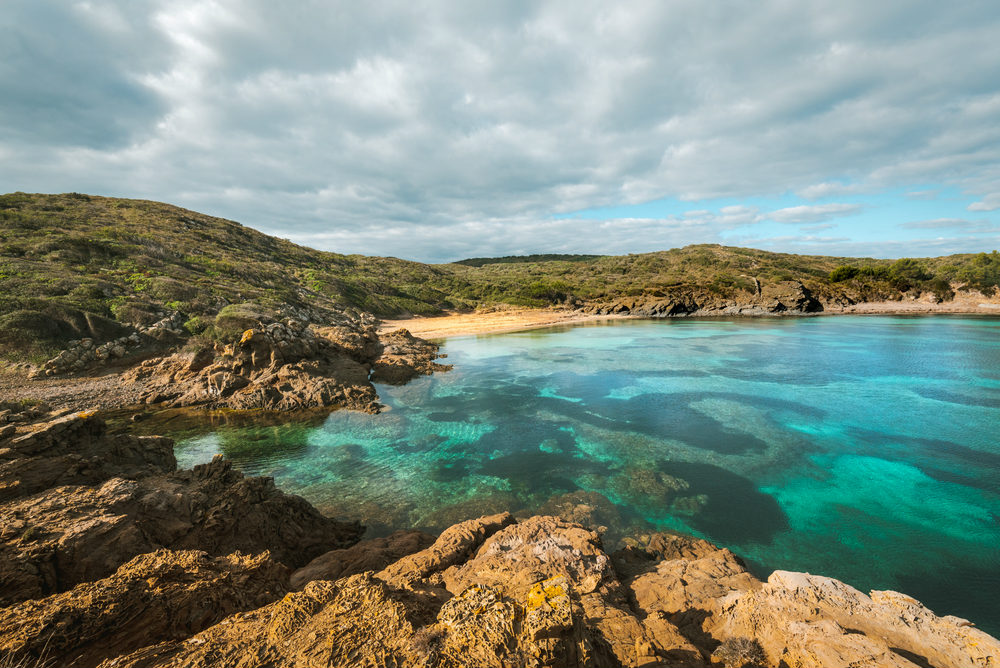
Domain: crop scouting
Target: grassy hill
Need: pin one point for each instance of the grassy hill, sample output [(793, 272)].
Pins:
[(72, 264)]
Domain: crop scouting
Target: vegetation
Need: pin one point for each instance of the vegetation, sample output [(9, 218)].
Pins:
[(77, 265), (520, 259)]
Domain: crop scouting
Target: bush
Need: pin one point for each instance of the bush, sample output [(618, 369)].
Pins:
[(843, 273), (740, 653), (236, 318)]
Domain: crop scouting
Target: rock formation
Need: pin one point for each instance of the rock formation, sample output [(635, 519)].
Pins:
[(77, 450), (288, 366), (543, 592), (782, 297), (53, 539), (134, 565), (154, 597), (404, 357)]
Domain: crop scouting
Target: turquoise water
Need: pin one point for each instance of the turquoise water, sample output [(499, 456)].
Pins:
[(863, 448)]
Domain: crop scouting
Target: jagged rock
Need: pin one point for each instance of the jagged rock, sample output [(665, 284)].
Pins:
[(77, 450), (801, 620), (356, 621), (782, 297), (153, 598), (287, 366), (542, 592), (454, 545), (405, 357), (54, 540), (368, 555)]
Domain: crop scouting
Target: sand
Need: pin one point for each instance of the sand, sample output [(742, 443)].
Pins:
[(492, 322)]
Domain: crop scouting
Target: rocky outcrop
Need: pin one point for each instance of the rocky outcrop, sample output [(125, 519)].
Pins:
[(191, 568), (773, 298), (808, 620), (288, 366), (77, 450), (404, 357), (153, 598), (56, 539), (373, 554), (544, 592), (281, 366)]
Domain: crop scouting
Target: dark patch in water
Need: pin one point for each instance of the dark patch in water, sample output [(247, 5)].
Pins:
[(968, 590), (955, 398), (736, 512)]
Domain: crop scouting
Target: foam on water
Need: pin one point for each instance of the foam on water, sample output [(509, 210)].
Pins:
[(863, 448)]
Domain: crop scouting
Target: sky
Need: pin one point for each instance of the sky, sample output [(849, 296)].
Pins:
[(436, 131)]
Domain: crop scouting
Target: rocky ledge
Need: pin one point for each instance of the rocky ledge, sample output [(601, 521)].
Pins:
[(126, 562), (267, 364)]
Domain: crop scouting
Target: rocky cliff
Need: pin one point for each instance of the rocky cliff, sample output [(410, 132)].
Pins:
[(112, 558)]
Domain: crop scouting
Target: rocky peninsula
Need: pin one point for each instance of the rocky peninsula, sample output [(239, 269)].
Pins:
[(111, 557)]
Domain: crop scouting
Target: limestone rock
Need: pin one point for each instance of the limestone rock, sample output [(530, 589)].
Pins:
[(404, 357), (153, 598), (77, 450), (368, 555), (288, 366), (803, 620), (56, 539)]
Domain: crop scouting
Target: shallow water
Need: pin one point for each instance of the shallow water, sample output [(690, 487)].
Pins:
[(864, 448)]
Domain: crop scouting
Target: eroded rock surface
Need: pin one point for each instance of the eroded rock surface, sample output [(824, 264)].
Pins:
[(156, 597), (373, 554), (544, 592), (404, 357), (77, 450), (85, 579), (56, 539), (289, 366)]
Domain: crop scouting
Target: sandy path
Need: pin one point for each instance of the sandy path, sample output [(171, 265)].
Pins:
[(514, 320)]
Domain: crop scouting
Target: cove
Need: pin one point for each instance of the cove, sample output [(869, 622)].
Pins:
[(864, 448)]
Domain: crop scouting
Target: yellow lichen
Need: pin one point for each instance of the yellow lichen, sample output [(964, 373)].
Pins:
[(546, 593), (247, 335), (83, 415)]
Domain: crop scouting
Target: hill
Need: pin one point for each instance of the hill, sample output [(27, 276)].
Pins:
[(76, 265)]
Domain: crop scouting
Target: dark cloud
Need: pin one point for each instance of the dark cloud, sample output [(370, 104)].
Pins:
[(435, 129)]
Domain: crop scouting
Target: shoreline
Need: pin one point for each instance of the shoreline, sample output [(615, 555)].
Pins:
[(454, 325), (492, 322)]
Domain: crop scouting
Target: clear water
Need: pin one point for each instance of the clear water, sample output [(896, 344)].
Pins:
[(863, 448)]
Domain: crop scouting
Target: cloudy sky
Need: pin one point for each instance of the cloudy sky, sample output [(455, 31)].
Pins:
[(441, 130)]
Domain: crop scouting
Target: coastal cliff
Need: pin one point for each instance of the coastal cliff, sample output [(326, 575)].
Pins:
[(113, 558)]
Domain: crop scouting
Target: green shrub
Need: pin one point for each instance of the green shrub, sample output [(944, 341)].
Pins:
[(843, 273)]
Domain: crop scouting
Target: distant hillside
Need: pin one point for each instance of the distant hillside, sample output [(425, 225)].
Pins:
[(74, 265), (521, 259)]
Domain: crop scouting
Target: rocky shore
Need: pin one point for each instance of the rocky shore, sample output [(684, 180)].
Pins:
[(111, 557), (266, 365)]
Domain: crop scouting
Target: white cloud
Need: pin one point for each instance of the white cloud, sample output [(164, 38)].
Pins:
[(989, 203), (812, 213), (376, 123)]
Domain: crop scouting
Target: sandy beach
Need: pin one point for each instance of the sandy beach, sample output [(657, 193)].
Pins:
[(491, 322), (515, 320)]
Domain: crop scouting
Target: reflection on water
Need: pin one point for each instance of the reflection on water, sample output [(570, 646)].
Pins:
[(864, 448)]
